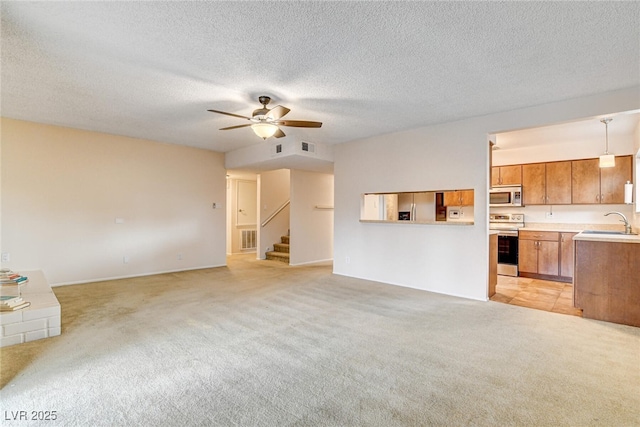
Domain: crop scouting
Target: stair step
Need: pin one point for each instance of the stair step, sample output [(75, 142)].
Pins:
[(278, 256), (284, 239), (281, 247)]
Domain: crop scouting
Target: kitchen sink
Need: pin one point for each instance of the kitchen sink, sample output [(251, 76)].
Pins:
[(605, 232)]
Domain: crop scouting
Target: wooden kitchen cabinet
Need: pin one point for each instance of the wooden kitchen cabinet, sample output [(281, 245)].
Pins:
[(612, 180), (559, 183), (539, 254), (506, 175), (585, 181), (546, 183), (458, 198), (605, 285), (534, 184), (591, 184), (566, 255), (493, 263)]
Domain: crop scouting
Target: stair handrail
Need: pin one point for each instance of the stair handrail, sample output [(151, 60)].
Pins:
[(285, 204)]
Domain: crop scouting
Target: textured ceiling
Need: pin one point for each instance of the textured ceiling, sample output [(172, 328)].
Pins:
[(152, 69)]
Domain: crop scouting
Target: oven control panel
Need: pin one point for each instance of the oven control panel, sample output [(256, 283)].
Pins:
[(506, 217)]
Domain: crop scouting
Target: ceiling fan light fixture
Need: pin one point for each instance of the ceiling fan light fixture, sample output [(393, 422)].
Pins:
[(264, 130), (607, 160)]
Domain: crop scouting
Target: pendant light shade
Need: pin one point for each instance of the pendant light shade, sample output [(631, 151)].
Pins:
[(264, 130), (607, 160)]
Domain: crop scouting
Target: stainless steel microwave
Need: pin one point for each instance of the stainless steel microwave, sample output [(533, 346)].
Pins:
[(505, 196)]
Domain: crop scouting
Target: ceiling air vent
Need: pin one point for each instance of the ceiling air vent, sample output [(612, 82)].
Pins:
[(308, 147), (276, 150)]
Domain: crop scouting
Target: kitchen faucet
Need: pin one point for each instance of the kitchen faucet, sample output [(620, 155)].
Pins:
[(627, 226)]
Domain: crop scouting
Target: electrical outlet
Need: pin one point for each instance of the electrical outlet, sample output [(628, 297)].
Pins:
[(126, 259), (347, 260), (179, 256), (6, 257), (549, 215)]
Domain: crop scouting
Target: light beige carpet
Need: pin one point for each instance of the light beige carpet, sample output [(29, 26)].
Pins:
[(260, 343)]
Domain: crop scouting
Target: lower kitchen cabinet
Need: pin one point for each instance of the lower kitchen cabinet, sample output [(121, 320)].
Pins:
[(544, 255), (538, 252), (606, 281), (566, 255)]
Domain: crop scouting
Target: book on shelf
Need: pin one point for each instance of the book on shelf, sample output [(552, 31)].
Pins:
[(24, 304), (11, 278), (10, 300)]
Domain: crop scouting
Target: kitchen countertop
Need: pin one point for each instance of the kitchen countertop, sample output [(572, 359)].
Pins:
[(569, 228), (609, 238), (559, 230), (385, 221)]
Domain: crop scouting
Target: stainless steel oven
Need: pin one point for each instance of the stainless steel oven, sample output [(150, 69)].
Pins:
[(507, 226)]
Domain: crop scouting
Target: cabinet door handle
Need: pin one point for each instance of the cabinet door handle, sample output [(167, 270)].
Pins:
[(597, 198)]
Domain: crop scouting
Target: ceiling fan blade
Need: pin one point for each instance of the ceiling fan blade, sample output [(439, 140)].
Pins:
[(235, 127), (230, 114), (279, 134), (276, 112), (299, 123)]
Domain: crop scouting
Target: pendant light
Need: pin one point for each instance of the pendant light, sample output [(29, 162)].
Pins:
[(607, 160)]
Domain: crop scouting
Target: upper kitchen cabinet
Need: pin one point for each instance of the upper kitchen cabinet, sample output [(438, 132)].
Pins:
[(506, 175), (612, 180), (458, 198), (546, 183), (591, 184)]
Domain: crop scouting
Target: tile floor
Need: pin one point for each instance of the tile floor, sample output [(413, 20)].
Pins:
[(539, 294)]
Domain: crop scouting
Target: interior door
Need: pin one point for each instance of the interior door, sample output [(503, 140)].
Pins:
[(247, 209)]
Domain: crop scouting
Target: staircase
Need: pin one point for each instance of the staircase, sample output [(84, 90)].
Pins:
[(280, 250)]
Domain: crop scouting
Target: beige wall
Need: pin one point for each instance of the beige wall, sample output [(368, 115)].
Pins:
[(311, 217), (234, 244), (63, 189), (273, 192)]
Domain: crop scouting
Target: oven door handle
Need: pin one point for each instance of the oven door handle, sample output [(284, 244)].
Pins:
[(508, 233)]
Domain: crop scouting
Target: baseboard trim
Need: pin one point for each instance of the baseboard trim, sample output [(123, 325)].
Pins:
[(320, 261), (131, 276)]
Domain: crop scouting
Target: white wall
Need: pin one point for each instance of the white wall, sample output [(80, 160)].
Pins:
[(273, 192), (311, 226), (636, 177), (441, 258), (562, 149), (62, 190)]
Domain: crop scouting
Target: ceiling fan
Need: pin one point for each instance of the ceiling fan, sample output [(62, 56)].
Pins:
[(265, 121)]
